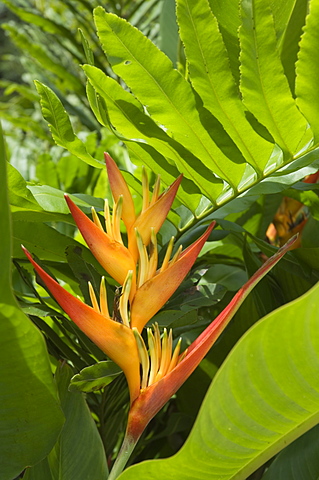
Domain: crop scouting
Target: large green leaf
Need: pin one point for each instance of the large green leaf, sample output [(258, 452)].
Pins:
[(308, 70), (130, 120), (227, 14), (265, 395), (213, 80), (265, 88), (79, 452), (31, 418), (289, 44), (167, 96)]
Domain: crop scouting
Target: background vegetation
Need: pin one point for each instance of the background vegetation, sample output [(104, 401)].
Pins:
[(237, 114)]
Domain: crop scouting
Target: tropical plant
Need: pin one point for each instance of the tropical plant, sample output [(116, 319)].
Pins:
[(239, 120)]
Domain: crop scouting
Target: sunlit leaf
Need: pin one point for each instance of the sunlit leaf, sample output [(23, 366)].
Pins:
[(264, 86), (60, 125), (308, 70), (263, 397)]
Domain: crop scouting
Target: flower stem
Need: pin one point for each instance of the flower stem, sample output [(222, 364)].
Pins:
[(123, 456)]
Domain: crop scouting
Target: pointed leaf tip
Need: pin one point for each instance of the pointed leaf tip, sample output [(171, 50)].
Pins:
[(119, 187)]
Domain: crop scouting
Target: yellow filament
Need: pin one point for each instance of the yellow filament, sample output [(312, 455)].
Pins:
[(116, 220), (103, 299), (145, 189), (182, 356), (177, 255), (143, 265), (94, 301), (153, 353), (107, 215), (174, 360), (157, 338), (153, 256), (143, 356), (156, 190), (158, 361), (123, 305), (167, 341), (96, 219), (167, 254)]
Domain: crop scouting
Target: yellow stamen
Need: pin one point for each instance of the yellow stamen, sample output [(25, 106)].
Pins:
[(107, 216), (182, 356), (96, 219), (157, 338), (167, 341), (167, 254), (143, 265), (116, 220), (143, 356), (94, 301), (174, 360), (177, 255), (153, 256), (123, 305), (157, 361), (156, 190), (153, 353), (145, 189), (103, 299)]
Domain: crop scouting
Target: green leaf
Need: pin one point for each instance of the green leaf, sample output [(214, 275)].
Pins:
[(39, 472), (87, 49), (169, 39), (230, 276), (289, 42), (265, 395), (94, 377), (19, 195), (60, 125), (212, 78), (127, 115), (167, 96), (41, 239), (227, 14), (307, 69), (79, 452), (264, 86), (46, 171), (300, 460), (31, 418)]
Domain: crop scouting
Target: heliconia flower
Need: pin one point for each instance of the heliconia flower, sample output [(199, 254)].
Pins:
[(165, 370), (155, 370), (115, 335), (111, 335), (151, 287)]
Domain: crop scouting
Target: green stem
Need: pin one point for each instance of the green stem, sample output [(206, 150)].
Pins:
[(123, 456)]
